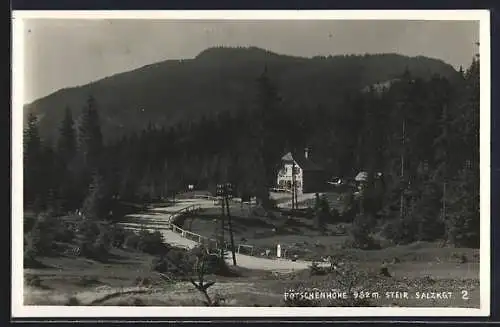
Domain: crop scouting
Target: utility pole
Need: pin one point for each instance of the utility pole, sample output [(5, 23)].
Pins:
[(220, 196), (228, 193), (224, 191), (295, 191)]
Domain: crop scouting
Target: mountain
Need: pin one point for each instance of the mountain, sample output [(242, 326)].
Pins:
[(221, 79)]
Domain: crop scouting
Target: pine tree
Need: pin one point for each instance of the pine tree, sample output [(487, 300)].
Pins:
[(67, 138), (96, 204), (463, 223), (270, 143), (89, 135), (426, 205), (463, 226), (66, 151), (322, 213)]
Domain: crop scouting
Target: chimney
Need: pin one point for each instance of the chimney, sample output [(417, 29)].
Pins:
[(306, 153)]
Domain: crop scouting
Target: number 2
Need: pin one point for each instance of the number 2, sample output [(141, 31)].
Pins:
[(465, 295)]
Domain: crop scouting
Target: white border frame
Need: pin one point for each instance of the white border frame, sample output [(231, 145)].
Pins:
[(18, 310)]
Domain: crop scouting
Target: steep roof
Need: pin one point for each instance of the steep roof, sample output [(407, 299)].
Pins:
[(303, 162), (362, 176)]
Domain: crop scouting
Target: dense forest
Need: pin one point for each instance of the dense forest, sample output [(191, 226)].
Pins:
[(422, 134), (222, 79)]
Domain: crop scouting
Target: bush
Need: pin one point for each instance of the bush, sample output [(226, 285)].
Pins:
[(40, 239), (131, 241), (321, 213), (334, 215), (316, 270), (348, 215), (151, 242), (360, 233), (117, 236), (399, 231), (29, 255), (181, 263), (175, 263), (63, 232), (94, 250), (94, 240)]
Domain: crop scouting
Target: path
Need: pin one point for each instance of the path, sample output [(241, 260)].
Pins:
[(158, 219), (301, 199)]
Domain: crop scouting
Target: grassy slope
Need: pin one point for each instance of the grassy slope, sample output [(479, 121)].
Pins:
[(422, 266)]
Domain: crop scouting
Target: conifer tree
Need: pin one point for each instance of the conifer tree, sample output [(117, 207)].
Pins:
[(463, 223), (32, 156), (269, 143), (89, 135), (96, 204), (66, 147), (66, 152)]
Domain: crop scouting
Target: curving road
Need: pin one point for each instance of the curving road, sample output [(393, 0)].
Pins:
[(158, 219)]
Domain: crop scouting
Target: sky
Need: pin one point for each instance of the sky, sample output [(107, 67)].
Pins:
[(70, 52)]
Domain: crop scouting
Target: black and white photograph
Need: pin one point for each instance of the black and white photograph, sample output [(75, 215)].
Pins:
[(247, 164)]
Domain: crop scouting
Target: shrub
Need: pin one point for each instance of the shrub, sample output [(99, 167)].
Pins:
[(175, 263), (131, 240), (94, 240), (97, 203), (321, 212), (63, 231), (29, 258), (334, 215), (213, 262), (151, 242), (40, 239), (93, 251), (399, 231), (349, 214), (316, 270), (117, 236)]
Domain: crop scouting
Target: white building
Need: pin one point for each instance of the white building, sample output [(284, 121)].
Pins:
[(309, 177)]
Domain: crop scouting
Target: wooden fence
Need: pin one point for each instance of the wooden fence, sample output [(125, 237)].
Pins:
[(247, 249)]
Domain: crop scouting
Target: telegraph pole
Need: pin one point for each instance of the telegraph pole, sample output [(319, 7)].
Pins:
[(228, 194), (295, 187), (220, 196), (224, 191)]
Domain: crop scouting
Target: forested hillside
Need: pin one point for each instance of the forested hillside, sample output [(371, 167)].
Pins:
[(433, 123), (223, 79)]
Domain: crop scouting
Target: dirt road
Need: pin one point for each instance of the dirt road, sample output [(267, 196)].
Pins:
[(158, 219)]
